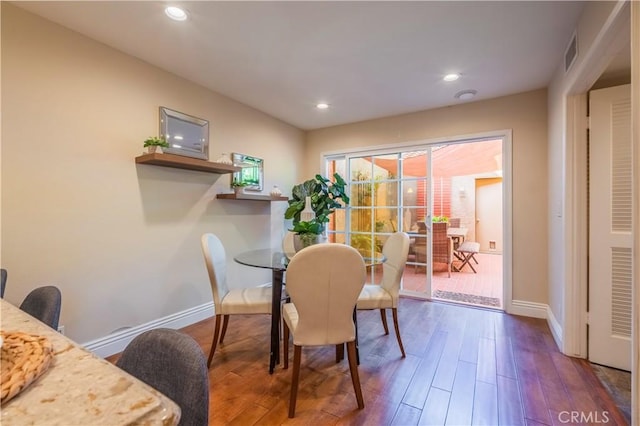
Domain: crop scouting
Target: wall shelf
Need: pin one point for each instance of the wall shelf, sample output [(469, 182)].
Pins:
[(188, 163), (250, 197)]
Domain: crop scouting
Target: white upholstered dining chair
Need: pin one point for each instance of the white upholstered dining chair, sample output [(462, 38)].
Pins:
[(324, 281), (226, 301), (287, 244), (385, 295)]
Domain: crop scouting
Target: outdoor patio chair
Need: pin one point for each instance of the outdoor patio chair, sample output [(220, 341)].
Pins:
[(467, 252), (442, 245)]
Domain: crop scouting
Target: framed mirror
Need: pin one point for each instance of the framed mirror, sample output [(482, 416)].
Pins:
[(252, 173), (186, 135)]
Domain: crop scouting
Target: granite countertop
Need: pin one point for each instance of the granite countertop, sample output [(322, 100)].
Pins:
[(80, 388)]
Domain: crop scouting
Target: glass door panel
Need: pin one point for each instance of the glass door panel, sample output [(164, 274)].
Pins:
[(337, 226)]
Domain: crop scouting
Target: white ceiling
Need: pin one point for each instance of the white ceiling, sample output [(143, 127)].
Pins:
[(366, 59)]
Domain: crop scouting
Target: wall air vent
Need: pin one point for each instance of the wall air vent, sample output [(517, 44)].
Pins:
[(571, 53)]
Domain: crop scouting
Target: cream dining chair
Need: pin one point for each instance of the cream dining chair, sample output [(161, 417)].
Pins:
[(385, 295), (226, 301), (324, 281), (287, 244)]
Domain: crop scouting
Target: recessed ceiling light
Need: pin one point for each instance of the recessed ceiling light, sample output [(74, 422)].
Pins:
[(322, 105), (176, 13), (451, 77), (465, 95)]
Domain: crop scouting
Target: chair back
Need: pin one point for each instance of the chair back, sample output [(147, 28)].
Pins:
[(442, 247), (216, 260), (44, 303), (287, 244), (324, 282), (454, 222), (406, 220), (3, 281), (395, 251), (174, 364)]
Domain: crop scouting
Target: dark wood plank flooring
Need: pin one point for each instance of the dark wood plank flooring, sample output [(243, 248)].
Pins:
[(464, 366)]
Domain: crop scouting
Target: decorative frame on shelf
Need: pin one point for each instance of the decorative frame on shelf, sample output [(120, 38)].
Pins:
[(187, 135), (252, 173)]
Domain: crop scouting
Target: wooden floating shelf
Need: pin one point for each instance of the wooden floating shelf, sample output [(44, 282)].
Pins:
[(188, 163), (250, 197)]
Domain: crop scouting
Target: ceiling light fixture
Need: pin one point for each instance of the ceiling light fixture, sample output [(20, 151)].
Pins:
[(176, 13), (451, 77), (322, 105), (465, 95)]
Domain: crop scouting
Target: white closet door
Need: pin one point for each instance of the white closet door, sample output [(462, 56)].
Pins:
[(610, 227)]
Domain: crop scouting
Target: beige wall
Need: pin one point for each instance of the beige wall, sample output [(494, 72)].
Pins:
[(120, 240), (526, 115)]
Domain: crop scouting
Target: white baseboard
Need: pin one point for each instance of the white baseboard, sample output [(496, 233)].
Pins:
[(556, 329), (528, 309), (116, 342), (538, 310)]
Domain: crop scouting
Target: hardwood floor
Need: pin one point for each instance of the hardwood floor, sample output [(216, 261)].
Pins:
[(464, 366)]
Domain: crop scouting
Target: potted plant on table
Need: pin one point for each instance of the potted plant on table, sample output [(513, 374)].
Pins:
[(311, 204), (153, 142)]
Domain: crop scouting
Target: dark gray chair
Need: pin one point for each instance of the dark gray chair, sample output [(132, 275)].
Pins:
[(174, 364), (44, 303), (3, 281)]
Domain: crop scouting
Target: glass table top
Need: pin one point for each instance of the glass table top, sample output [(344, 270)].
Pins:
[(275, 259), (264, 258)]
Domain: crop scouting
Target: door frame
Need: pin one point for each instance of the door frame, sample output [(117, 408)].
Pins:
[(574, 327), (507, 192)]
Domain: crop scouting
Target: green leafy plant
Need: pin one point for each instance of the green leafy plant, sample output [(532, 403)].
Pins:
[(326, 197), (238, 183), (155, 141), (307, 230), (437, 219)]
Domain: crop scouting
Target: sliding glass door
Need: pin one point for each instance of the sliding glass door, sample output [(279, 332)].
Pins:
[(388, 192), (442, 195)]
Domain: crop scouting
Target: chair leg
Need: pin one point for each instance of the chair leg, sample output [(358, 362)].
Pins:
[(383, 315), (224, 328), (214, 342), (285, 344), (449, 269), (295, 376), (353, 368), (397, 327), (467, 258), (339, 352)]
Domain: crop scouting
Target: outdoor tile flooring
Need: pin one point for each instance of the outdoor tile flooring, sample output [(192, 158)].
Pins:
[(483, 288)]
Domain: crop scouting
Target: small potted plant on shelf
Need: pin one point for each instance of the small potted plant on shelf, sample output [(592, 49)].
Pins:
[(238, 186), (152, 143), (311, 204)]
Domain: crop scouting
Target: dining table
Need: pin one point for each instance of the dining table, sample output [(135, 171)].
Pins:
[(76, 387), (277, 261), (458, 234)]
